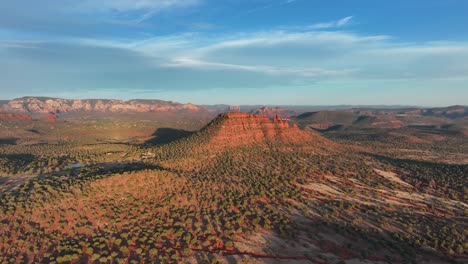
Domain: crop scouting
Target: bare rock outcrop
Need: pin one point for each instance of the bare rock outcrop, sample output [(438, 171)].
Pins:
[(271, 112), (236, 129), (13, 116), (51, 118), (44, 105)]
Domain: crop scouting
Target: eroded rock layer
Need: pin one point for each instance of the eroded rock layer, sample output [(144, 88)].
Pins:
[(56, 105), (235, 129), (12, 116)]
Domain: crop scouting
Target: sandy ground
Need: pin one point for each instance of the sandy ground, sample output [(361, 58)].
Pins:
[(392, 177)]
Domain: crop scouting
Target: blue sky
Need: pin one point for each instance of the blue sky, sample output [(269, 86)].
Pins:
[(237, 51)]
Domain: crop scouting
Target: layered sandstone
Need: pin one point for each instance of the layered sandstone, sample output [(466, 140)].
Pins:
[(236, 129), (45, 105), (12, 116)]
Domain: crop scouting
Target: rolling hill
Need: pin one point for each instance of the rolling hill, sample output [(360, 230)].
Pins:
[(362, 118)]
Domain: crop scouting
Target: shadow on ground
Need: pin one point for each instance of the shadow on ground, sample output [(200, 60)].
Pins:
[(8, 141), (166, 135)]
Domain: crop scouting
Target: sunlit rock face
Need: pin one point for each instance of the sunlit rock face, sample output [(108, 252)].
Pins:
[(12, 116), (234, 129), (271, 112), (56, 105), (51, 118)]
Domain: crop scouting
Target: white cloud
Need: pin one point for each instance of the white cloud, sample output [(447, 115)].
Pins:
[(333, 24), (148, 8), (344, 21), (310, 55), (26, 44), (426, 49), (271, 38), (283, 55), (271, 5), (134, 5), (154, 45), (205, 65)]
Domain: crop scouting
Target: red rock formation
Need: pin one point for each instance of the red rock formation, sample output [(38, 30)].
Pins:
[(271, 112), (235, 129), (234, 108), (51, 118), (11, 116), (44, 105)]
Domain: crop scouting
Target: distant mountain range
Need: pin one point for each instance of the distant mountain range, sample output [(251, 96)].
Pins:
[(271, 112), (220, 108), (46, 105), (342, 114), (382, 118)]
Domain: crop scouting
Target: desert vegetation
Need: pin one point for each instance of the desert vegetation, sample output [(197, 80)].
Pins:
[(314, 201)]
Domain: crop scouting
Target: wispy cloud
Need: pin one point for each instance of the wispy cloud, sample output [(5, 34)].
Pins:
[(147, 8), (229, 60), (333, 24), (133, 5), (278, 38), (271, 5), (205, 65), (92, 16), (309, 55), (26, 44)]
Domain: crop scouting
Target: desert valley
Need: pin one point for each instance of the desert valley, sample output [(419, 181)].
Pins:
[(233, 131), (151, 181)]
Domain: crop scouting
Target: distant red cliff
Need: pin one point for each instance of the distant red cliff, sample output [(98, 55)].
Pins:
[(12, 116), (273, 111), (45, 105)]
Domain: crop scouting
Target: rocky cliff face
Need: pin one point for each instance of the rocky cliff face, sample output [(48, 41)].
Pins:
[(236, 129), (12, 116), (56, 105)]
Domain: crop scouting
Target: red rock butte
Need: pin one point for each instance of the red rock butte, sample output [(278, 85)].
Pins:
[(235, 129)]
